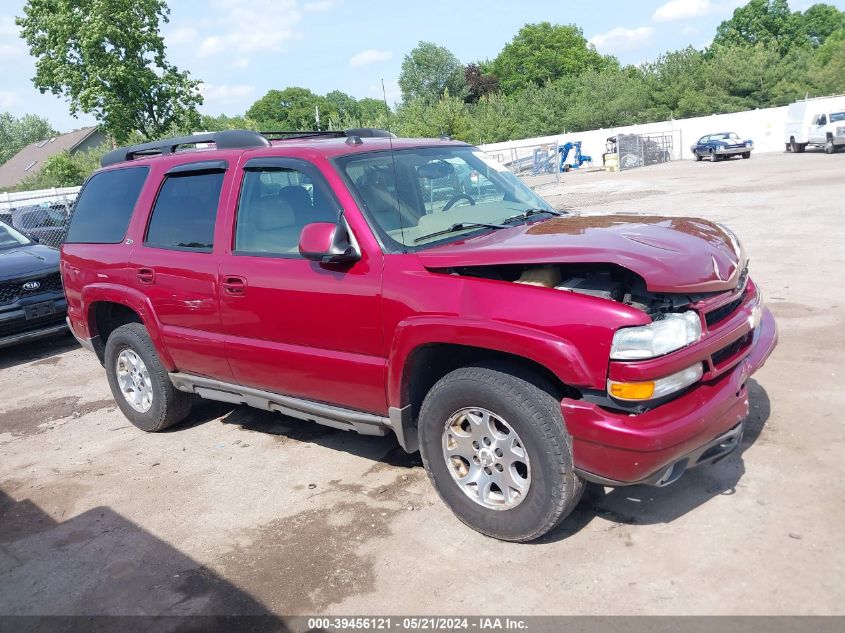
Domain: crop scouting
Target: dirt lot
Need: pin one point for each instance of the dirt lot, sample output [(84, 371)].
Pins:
[(238, 511)]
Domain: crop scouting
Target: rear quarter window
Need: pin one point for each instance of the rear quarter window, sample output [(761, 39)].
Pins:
[(105, 206)]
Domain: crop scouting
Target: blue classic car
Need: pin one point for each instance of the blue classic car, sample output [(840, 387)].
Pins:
[(722, 145)]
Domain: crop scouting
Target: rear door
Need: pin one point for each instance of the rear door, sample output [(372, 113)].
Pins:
[(175, 267), (294, 326)]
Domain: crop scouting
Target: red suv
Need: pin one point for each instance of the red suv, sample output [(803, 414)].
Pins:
[(416, 287)]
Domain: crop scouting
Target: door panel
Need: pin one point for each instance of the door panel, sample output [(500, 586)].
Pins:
[(176, 269), (294, 326)]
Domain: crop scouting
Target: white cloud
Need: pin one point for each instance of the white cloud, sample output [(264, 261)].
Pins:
[(9, 100), (11, 46), (319, 6), (240, 62), (369, 56), (225, 93), (681, 10), (181, 35), (689, 30), (621, 38), (252, 25)]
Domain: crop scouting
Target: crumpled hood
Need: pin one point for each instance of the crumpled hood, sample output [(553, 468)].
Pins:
[(27, 260), (672, 255)]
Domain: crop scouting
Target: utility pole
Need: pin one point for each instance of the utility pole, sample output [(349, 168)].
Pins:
[(317, 116)]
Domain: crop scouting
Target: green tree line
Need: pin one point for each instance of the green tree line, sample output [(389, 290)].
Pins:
[(547, 79)]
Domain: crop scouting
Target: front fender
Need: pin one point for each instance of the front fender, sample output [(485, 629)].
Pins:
[(558, 355)]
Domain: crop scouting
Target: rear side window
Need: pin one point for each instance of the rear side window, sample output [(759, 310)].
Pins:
[(185, 211), (105, 206)]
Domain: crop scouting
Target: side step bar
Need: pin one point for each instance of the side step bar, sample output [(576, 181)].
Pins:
[(325, 414)]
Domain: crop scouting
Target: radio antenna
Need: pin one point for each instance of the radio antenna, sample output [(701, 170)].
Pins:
[(393, 161)]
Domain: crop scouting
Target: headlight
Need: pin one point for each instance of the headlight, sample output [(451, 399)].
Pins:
[(672, 332), (653, 389), (749, 144), (840, 131)]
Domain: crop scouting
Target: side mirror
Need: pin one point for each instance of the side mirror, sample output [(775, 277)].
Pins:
[(327, 243), (32, 237)]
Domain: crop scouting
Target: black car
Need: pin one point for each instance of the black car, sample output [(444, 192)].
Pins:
[(32, 300)]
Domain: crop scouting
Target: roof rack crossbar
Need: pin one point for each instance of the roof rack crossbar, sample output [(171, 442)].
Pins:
[(291, 134), (227, 139)]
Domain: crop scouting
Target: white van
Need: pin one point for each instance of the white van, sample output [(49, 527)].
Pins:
[(819, 122)]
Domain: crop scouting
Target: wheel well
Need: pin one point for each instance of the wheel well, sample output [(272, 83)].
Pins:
[(106, 317), (430, 363)]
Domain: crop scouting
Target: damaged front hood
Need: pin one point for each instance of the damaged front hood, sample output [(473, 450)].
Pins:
[(672, 255)]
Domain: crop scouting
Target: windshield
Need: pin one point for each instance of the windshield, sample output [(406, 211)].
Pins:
[(432, 189), (837, 116), (10, 238)]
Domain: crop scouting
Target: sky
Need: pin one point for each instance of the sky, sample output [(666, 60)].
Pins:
[(240, 49)]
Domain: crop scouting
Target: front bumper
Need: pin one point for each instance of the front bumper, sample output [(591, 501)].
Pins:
[(615, 448), (16, 328), (732, 151)]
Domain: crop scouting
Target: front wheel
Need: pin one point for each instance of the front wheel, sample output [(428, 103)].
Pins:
[(746, 154), (139, 382), (829, 147), (494, 445)]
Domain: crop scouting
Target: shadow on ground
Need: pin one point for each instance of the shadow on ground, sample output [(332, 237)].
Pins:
[(45, 350), (101, 564), (648, 505)]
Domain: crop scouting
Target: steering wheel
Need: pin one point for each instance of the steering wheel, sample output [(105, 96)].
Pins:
[(460, 196)]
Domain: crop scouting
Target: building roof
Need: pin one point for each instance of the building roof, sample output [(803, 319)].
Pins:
[(31, 158)]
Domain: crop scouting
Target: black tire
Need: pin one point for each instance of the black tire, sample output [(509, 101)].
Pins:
[(793, 146), (698, 157), (829, 147), (169, 405), (527, 404), (802, 147), (713, 157), (746, 154)]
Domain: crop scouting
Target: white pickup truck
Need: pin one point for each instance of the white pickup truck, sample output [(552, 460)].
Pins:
[(819, 122)]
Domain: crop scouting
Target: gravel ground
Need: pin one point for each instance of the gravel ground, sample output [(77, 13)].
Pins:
[(239, 511)]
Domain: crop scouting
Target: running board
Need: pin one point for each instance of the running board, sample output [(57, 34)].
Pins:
[(325, 414)]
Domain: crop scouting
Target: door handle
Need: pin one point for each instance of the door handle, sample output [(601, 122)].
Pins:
[(234, 286), (146, 276)]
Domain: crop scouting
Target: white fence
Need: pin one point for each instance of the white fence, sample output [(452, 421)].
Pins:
[(62, 196), (765, 127)]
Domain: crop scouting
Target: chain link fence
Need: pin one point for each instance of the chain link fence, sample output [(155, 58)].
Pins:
[(537, 165), (642, 150), (43, 215)]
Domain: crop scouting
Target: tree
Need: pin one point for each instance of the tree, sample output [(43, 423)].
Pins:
[(428, 71), (107, 58), (546, 52), (479, 83), (17, 133), (289, 109), (761, 22), (820, 21)]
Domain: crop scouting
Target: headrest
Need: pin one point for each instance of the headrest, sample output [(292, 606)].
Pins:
[(269, 215), (296, 196)]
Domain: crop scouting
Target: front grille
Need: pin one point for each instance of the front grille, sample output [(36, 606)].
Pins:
[(720, 314), (11, 291), (731, 350)]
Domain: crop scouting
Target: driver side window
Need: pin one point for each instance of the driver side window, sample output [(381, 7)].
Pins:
[(275, 204)]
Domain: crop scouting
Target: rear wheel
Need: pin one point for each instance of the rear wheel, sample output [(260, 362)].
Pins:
[(793, 145), (494, 444), (139, 382), (698, 157), (829, 147)]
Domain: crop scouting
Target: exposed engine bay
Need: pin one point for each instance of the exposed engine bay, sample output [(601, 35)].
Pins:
[(604, 281)]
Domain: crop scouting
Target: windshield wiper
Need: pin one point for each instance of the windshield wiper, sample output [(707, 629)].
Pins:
[(460, 226), (530, 212)]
